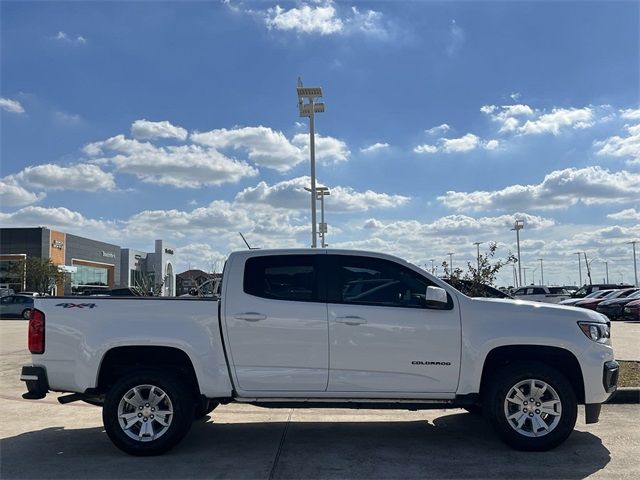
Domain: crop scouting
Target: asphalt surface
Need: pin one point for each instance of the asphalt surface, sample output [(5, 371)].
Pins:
[(42, 439)]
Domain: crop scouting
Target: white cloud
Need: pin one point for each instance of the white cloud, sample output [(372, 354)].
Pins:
[(559, 189), (630, 114), (617, 146), (376, 147), (626, 214), (67, 118), (148, 130), (12, 106), (60, 218), (425, 148), (13, 195), (265, 147), (290, 194), (463, 144), (456, 38), (323, 18), (185, 166), (553, 122), (328, 149), (69, 39), (491, 145), (439, 129), (508, 116), (83, 177)]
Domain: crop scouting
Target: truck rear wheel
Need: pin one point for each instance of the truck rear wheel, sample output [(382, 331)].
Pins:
[(148, 412), (531, 406)]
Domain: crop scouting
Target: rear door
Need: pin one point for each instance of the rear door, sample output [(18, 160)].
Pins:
[(276, 322), (383, 336)]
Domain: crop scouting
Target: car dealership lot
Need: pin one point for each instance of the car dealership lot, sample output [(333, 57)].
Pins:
[(43, 439)]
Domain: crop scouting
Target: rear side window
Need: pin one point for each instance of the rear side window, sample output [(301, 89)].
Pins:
[(538, 291), (558, 291), (282, 277)]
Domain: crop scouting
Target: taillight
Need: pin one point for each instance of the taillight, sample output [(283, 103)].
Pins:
[(36, 331)]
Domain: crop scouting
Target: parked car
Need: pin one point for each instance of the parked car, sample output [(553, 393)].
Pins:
[(592, 303), (6, 291), (283, 334), (31, 294), (587, 289), (631, 311), (541, 293), (596, 294), (613, 308), (16, 306)]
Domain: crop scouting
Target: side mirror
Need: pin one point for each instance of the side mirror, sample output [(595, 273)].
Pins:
[(436, 296), (193, 292)]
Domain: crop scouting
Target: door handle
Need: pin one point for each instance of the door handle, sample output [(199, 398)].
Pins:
[(351, 320), (250, 316)]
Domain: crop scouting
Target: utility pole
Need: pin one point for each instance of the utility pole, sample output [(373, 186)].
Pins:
[(517, 226), (477, 244), (635, 265), (541, 272), (309, 110), (579, 268)]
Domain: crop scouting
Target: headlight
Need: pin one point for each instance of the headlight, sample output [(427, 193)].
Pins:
[(598, 332)]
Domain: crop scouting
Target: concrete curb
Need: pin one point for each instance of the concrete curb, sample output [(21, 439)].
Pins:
[(625, 395)]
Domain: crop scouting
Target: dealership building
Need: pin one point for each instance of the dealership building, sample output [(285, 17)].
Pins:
[(90, 265)]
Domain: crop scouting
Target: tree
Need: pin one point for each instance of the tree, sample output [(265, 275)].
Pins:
[(40, 273), (476, 278)]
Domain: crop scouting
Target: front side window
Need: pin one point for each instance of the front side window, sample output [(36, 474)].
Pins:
[(374, 281), (282, 277)]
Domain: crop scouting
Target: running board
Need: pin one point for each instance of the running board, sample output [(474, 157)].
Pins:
[(349, 403)]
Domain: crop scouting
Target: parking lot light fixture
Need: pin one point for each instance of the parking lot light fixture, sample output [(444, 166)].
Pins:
[(579, 268), (322, 228), (635, 265), (517, 226), (309, 109), (477, 244), (541, 272)]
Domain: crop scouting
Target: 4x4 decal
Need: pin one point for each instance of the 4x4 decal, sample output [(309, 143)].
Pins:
[(76, 305)]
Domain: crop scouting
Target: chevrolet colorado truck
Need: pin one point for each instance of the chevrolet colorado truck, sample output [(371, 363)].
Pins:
[(321, 328)]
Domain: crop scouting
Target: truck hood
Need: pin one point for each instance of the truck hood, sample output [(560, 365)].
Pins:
[(525, 309)]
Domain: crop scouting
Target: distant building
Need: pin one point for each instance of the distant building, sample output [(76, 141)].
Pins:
[(92, 265), (192, 279), (152, 272)]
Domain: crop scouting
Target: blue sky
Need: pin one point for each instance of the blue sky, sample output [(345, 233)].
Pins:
[(444, 121)]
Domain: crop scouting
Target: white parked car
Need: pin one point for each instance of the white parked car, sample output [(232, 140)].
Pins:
[(315, 328), (542, 293)]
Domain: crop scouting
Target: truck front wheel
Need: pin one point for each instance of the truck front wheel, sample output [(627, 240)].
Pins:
[(148, 412), (531, 406)]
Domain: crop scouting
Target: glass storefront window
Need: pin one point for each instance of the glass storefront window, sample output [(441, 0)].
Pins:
[(88, 278)]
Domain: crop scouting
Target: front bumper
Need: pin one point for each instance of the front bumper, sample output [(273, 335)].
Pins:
[(610, 373), (36, 380)]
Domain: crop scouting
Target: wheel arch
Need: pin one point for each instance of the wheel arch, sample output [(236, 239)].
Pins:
[(122, 359), (555, 357)]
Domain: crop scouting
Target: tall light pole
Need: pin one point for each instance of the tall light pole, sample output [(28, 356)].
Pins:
[(606, 269), (517, 226), (309, 110), (635, 265), (322, 228), (541, 272), (450, 263), (525, 274), (477, 244), (579, 268)]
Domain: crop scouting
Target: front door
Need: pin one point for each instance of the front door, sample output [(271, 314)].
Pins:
[(383, 336), (276, 324)]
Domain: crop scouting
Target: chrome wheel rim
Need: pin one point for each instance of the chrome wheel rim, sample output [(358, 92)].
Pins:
[(145, 413), (533, 408)]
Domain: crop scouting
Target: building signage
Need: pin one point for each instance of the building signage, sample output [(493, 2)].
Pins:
[(108, 254), (57, 244), (169, 251)]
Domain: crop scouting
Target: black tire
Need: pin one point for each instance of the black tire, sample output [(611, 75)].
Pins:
[(495, 400), (26, 313), (181, 400), (204, 408)]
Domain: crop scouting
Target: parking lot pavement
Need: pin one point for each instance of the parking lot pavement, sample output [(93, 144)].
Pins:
[(43, 439), (626, 340)]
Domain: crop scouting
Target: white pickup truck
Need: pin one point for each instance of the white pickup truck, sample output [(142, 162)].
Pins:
[(321, 328), (542, 293)]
